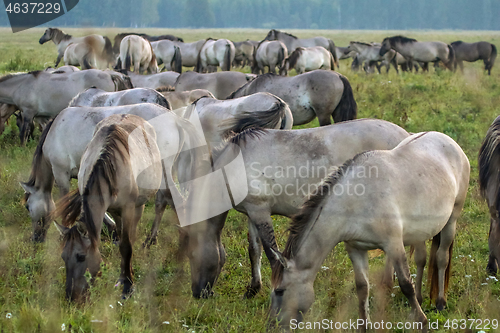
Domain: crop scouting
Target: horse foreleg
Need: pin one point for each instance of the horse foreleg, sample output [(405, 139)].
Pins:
[(264, 226), (160, 206), (359, 259), (58, 60), (130, 217), (255, 253), (494, 246), (25, 128)]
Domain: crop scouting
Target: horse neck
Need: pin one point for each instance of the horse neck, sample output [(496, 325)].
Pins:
[(44, 178), (95, 204)]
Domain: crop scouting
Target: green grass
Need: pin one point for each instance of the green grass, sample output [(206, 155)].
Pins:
[(32, 276)]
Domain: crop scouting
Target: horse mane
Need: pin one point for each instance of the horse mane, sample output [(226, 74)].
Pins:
[(362, 43), (165, 89), (8, 76), (35, 73), (400, 39), (304, 220), (58, 35), (489, 160), (294, 57), (71, 236), (257, 78), (59, 72), (458, 42), (38, 159), (237, 139), (254, 120), (286, 33)]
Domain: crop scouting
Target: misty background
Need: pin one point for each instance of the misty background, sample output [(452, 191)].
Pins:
[(292, 14)]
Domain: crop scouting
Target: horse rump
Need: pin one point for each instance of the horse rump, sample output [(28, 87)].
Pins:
[(347, 109)]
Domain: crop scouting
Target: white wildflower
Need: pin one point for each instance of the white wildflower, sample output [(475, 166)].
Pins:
[(240, 264), (166, 323), (468, 276), (8, 315), (393, 295), (325, 268), (120, 303), (111, 306), (63, 327)]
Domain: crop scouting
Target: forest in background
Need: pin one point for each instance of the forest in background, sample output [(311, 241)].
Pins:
[(291, 14)]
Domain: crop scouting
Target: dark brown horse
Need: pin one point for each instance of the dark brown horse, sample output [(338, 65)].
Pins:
[(119, 37), (489, 183), (471, 52)]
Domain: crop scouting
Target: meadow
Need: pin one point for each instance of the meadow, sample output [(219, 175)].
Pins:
[(461, 105)]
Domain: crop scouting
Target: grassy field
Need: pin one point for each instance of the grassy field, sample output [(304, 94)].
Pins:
[(32, 276)]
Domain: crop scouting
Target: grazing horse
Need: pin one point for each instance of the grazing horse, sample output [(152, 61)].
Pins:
[(293, 42), (406, 196), (220, 84), (118, 39), (281, 168), (58, 154), (471, 52), (99, 46), (43, 94), (179, 99), (319, 93), (120, 170), (424, 52), (270, 54), (215, 52), (169, 54), (489, 183), (369, 54), (306, 59), (136, 51), (221, 119), (243, 53), (153, 81), (97, 97)]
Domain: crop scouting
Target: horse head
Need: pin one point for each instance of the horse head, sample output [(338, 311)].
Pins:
[(79, 257), (39, 204), (386, 46), (272, 35), (49, 33)]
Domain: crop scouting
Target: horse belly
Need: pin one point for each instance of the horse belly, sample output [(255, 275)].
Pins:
[(302, 110)]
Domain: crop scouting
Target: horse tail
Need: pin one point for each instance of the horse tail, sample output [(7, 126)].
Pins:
[(121, 82), (271, 118), (451, 58), (227, 58), (332, 62), (108, 50), (333, 51), (493, 56), (85, 61), (347, 109), (489, 162), (162, 101), (198, 60), (254, 67), (177, 59), (128, 61), (433, 274), (281, 57)]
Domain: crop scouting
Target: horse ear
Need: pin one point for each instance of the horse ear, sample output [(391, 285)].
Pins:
[(280, 258), (62, 229), (82, 228), (27, 188)]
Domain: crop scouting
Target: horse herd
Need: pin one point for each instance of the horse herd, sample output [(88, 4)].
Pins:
[(368, 182)]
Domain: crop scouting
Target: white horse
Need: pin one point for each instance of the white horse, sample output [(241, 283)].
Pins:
[(306, 59), (270, 54), (99, 46), (168, 54), (216, 52), (58, 154), (153, 81), (135, 50), (43, 94), (406, 196), (179, 99), (98, 97)]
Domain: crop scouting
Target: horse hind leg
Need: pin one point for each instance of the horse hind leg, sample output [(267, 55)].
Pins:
[(396, 253), (359, 259), (161, 203), (420, 260), (255, 253)]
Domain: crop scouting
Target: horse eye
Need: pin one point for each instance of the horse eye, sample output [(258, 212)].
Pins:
[(80, 257), (279, 292)]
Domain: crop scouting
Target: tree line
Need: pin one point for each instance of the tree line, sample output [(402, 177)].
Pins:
[(291, 14)]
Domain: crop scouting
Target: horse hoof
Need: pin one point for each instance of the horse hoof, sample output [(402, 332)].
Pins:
[(440, 304), (251, 292)]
